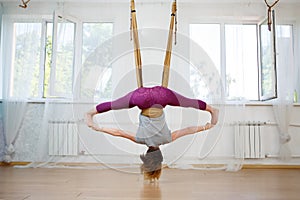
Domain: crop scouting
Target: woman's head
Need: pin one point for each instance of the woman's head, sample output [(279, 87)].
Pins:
[(151, 167)]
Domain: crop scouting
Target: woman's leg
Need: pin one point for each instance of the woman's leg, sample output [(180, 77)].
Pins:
[(182, 101)]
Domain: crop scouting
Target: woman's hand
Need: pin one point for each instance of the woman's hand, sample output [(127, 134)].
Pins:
[(207, 126)]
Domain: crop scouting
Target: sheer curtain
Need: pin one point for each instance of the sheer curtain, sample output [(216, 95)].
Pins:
[(282, 107), (13, 115), (20, 65), (2, 137)]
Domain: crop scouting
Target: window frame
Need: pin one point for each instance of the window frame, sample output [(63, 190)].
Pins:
[(76, 63), (223, 69), (242, 98), (256, 22), (273, 36), (110, 21), (8, 22)]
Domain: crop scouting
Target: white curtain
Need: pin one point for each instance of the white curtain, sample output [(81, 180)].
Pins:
[(14, 115), (282, 112), (2, 138), (14, 106), (18, 68), (285, 71)]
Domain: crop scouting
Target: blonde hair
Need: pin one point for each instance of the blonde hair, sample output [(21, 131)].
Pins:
[(151, 167)]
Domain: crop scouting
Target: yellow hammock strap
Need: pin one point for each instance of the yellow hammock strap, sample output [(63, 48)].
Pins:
[(137, 53), (166, 72)]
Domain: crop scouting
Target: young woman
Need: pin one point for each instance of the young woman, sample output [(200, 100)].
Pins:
[(153, 130)]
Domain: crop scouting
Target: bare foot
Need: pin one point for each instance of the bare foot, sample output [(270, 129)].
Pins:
[(214, 116)]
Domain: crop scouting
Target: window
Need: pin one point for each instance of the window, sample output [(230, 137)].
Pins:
[(48, 55), (234, 50), (241, 62), (63, 58), (38, 70), (43, 60), (285, 57), (207, 36), (63, 61), (25, 65), (268, 77), (96, 58), (31, 71)]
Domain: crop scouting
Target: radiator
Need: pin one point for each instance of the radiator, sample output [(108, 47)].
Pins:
[(63, 138), (248, 140)]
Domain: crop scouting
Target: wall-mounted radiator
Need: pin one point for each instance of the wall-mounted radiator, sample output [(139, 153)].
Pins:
[(63, 138), (248, 140)]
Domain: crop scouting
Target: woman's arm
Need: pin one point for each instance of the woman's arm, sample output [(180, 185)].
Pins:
[(190, 130)]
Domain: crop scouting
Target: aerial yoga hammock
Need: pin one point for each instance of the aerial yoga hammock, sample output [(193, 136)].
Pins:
[(153, 130)]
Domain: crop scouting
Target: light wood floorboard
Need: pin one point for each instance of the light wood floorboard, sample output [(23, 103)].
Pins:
[(109, 184)]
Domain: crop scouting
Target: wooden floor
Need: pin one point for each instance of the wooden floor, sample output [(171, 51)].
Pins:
[(108, 184)]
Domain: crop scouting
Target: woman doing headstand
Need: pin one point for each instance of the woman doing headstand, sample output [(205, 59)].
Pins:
[(153, 130)]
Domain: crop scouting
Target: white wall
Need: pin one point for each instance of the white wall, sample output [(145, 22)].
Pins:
[(157, 15)]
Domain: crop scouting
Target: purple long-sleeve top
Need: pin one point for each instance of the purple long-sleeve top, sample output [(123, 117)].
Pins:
[(151, 97)]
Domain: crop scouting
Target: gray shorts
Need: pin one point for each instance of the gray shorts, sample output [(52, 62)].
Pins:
[(153, 131)]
